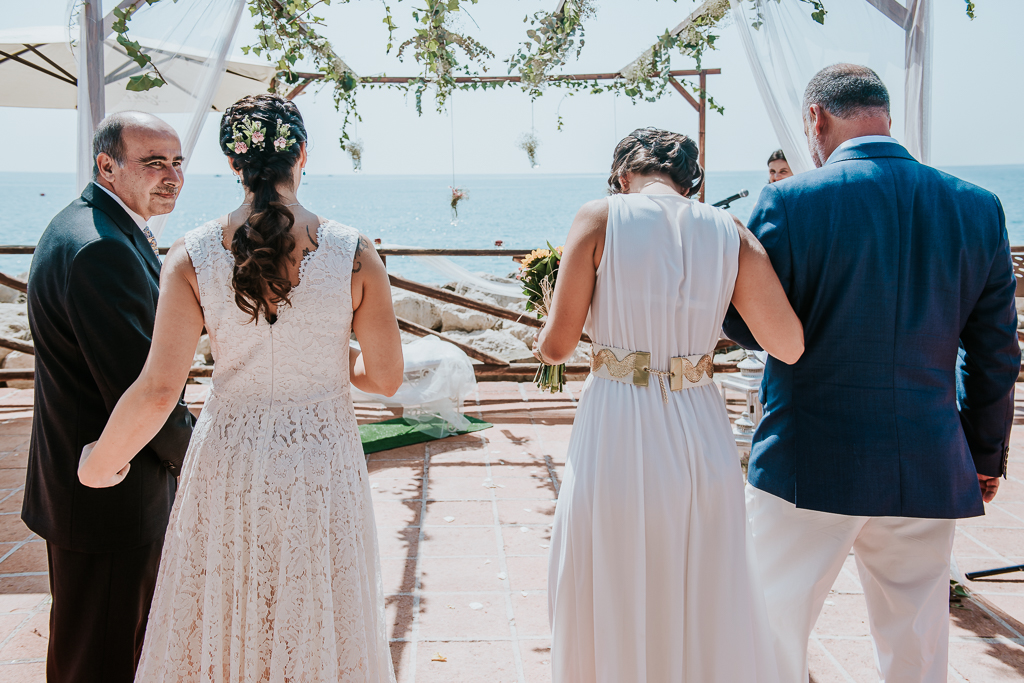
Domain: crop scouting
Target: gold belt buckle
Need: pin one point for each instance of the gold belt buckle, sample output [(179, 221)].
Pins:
[(681, 367)]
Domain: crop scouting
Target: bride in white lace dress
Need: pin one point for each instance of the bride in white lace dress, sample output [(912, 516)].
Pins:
[(270, 568)]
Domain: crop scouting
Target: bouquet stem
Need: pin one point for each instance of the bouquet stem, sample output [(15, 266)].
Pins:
[(550, 378)]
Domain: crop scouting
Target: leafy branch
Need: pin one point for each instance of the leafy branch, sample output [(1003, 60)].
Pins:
[(146, 80)]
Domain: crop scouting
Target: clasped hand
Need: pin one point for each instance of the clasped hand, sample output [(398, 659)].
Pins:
[(90, 478)]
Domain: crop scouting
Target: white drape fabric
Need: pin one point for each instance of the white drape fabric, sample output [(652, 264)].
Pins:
[(785, 47), (189, 42)]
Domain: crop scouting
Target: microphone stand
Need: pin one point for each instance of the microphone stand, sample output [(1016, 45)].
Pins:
[(993, 572), (724, 204)]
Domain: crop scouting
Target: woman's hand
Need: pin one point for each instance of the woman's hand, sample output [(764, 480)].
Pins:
[(535, 348), (88, 478)]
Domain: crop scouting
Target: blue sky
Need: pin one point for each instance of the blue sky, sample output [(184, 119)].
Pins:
[(977, 104)]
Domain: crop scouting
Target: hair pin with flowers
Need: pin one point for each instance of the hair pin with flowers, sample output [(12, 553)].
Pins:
[(284, 138), (250, 136)]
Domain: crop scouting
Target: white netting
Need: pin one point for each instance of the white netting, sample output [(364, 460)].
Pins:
[(438, 377)]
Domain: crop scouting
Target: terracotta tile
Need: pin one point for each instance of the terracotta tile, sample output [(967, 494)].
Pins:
[(1011, 490), (401, 657), (1007, 542), (32, 672), (968, 619), (408, 488), (439, 469), (12, 479), (536, 656), (394, 468), (531, 613), (30, 557), (1009, 608), (848, 616), (395, 513), (398, 611), (398, 575), (448, 574), (964, 546), (465, 512), (9, 622), (526, 512), (14, 461), (454, 444), (821, 667), (467, 662), (449, 615), (13, 529), (988, 662), (13, 443), (398, 542), (30, 640), (504, 469), (458, 488), (522, 487), (527, 573), (447, 541), (994, 516), (14, 597), (517, 543), (11, 502), (413, 452), (16, 425), (856, 657)]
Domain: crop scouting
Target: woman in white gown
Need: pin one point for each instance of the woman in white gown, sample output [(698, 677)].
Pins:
[(270, 569), (648, 577)]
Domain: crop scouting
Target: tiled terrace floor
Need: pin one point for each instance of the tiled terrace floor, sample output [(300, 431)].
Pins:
[(464, 528)]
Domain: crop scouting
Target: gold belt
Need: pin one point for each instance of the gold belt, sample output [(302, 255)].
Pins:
[(634, 367)]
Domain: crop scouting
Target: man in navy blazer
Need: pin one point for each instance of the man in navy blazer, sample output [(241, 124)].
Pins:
[(896, 420)]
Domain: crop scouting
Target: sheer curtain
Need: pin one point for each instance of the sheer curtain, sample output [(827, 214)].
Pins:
[(789, 47), (189, 42)]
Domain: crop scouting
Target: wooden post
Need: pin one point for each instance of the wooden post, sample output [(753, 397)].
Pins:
[(701, 128)]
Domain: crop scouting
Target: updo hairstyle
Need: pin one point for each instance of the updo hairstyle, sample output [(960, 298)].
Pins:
[(652, 150), (263, 245)]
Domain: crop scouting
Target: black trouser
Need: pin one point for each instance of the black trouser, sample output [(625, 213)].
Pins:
[(98, 617)]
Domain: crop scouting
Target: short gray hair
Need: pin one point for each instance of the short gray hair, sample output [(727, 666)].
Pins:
[(109, 139), (846, 91)]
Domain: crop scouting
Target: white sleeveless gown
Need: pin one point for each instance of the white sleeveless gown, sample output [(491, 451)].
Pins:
[(648, 577), (270, 570)]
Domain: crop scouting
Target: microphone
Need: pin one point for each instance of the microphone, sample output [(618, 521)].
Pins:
[(724, 204)]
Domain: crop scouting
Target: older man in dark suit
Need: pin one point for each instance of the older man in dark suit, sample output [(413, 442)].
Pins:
[(896, 420), (92, 296)]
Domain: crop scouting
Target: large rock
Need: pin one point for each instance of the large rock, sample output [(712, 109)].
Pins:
[(472, 292), (416, 309), (204, 351), (16, 360), (13, 324), (495, 342), (457, 318)]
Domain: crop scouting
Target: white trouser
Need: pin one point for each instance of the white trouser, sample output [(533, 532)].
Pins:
[(903, 564)]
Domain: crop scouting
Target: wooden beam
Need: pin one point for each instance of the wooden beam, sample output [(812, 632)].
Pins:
[(18, 345), (420, 331), (414, 251), (297, 90), (13, 283), (685, 93), (702, 127), (680, 27), (464, 301), (606, 76)]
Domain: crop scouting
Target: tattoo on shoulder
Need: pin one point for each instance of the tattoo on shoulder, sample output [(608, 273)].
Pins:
[(361, 245)]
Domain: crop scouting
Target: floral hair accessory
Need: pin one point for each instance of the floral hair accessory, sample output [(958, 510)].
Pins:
[(251, 135), (284, 138)]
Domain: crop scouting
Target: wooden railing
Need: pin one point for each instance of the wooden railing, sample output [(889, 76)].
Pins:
[(489, 369)]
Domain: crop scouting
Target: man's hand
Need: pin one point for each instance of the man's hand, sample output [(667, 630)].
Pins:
[(989, 487)]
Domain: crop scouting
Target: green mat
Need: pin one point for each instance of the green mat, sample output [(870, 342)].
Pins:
[(381, 436)]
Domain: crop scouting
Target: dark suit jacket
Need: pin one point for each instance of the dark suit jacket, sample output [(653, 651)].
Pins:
[(92, 294), (902, 277)]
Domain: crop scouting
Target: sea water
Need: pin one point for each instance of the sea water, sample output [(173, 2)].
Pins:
[(523, 211)]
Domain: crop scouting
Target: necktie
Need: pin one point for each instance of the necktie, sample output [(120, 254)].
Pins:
[(152, 240)]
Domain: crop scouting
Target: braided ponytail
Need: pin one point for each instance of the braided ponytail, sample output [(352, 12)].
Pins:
[(652, 150), (262, 135)]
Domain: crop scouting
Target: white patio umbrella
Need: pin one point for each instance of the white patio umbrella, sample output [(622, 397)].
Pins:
[(38, 69)]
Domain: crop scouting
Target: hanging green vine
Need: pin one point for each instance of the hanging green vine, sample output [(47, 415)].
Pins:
[(287, 34)]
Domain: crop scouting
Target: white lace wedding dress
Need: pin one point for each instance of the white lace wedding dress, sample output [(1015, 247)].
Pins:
[(270, 570)]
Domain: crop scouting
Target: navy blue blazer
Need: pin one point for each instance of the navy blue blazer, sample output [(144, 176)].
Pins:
[(901, 275)]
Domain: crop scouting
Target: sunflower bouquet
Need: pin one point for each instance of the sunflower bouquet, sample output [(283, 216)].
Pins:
[(538, 273)]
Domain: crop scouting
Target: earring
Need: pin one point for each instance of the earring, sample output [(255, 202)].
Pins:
[(303, 171), (238, 180)]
